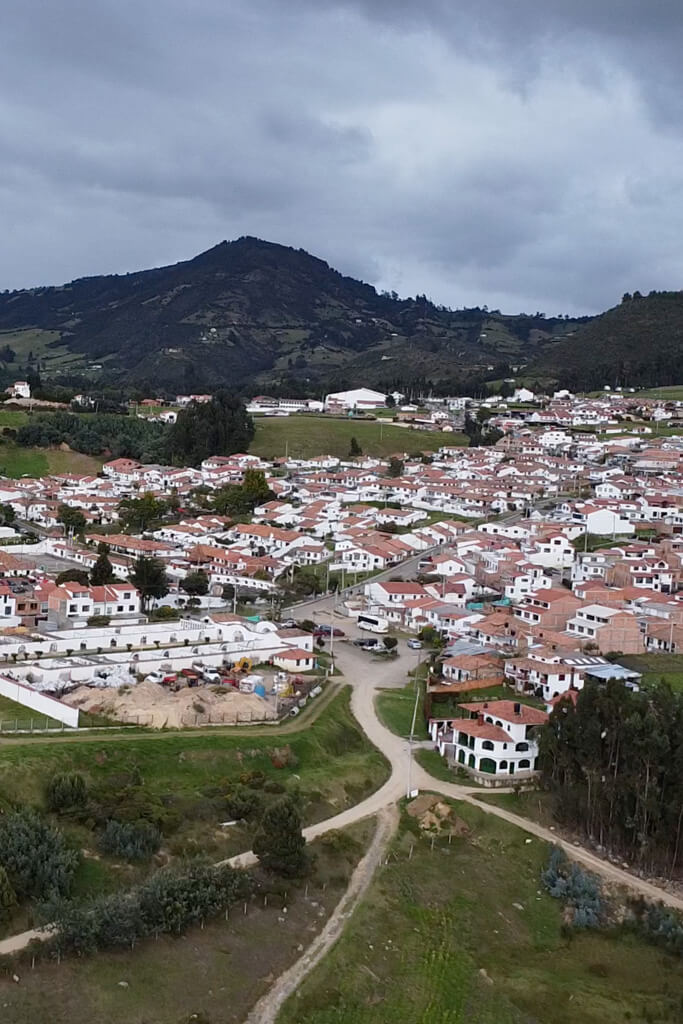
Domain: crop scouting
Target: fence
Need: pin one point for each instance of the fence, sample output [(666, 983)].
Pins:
[(29, 725)]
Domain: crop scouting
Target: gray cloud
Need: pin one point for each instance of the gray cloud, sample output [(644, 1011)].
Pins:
[(522, 155)]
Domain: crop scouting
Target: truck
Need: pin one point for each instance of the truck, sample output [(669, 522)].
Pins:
[(373, 623)]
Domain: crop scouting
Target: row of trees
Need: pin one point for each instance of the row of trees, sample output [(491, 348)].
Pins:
[(614, 764), (168, 902)]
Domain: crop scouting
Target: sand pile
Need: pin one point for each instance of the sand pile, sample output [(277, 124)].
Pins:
[(433, 815), (152, 705)]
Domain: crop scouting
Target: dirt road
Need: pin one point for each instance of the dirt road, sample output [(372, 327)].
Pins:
[(367, 675), (268, 1007)]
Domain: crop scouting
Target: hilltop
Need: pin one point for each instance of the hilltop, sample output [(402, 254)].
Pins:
[(257, 315), (638, 343)]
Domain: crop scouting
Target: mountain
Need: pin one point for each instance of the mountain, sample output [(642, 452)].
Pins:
[(638, 343), (255, 315)]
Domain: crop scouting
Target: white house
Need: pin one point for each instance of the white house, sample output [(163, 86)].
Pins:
[(498, 738)]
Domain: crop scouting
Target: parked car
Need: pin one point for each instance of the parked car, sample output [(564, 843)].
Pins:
[(289, 624), (324, 630), (415, 645)]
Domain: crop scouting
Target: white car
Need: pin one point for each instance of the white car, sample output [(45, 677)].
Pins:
[(415, 645)]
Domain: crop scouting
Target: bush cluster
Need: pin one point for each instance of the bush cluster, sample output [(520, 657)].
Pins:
[(579, 890), (168, 902), (129, 840), (36, 857)]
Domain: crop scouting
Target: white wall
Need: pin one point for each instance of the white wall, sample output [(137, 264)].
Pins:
[(38, 702)]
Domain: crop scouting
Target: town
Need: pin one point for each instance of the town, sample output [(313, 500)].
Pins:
[(550, 556), (445, 606)]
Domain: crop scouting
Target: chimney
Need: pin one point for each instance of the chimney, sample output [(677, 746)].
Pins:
[(517, 709)]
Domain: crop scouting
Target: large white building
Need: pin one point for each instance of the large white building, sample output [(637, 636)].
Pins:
[(360, 399)]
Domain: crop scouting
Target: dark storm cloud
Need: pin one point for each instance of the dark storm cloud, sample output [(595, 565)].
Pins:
[(523, 155)]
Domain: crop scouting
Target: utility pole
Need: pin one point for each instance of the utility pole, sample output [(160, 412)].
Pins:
[(409, 785)]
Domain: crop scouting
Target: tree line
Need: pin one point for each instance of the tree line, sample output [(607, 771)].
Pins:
[(219, 427), (614, 765)]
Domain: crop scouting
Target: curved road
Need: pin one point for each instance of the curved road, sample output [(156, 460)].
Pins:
[(366, 676)]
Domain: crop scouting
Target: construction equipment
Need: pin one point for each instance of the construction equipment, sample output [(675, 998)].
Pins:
[(243, 665)]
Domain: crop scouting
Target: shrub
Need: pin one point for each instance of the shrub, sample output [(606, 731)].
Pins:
[(130, 840), (66, 791), (243, 803), (579, 890), (8, 897), (39, 863)]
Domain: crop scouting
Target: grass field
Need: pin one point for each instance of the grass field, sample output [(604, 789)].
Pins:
[(16, 461), (217, 972), (674, 393), (395, 709), (330, 763), (306, 436), (656, 667), (463, 934)]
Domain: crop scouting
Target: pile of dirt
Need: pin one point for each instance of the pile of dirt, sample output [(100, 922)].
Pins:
[(152, 705), (433, 815)]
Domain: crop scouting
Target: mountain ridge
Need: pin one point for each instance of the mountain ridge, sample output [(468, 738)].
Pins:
[(252, 314)]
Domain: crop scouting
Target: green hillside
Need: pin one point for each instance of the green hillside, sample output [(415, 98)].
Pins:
[(253, 315), (638, 344)]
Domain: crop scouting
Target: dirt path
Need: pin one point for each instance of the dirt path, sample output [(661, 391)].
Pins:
[(366, 678), (268, 1007)]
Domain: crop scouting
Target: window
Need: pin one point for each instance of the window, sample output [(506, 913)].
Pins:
[(487, 745)]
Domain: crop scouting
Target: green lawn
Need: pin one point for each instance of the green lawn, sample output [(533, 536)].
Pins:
[(210, 975), (656, 667), (462, 933), (306, 436), (395, 709), (435, 764)]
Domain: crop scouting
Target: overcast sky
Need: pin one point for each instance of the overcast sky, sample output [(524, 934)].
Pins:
[(523, 154)]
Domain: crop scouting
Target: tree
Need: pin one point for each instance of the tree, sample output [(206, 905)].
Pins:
[(395, 466), (390, 643), (7, 515), (218, 427), (8, 897), (102, 571), (279, 843), (354, 448), (255, 488), (73, 576), (390, 402), (241, 500), (149, 577), (72, 519), (195, 583), (137, 514)]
